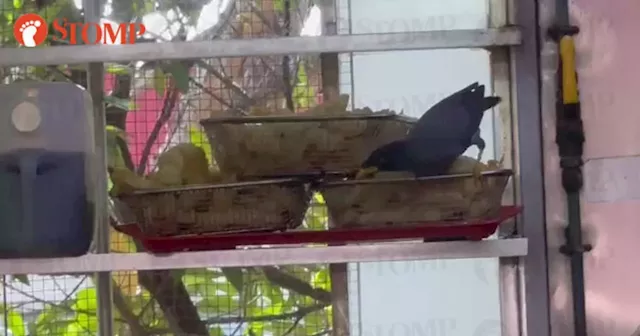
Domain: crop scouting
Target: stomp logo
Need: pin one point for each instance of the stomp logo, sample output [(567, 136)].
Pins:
[(31, 30)]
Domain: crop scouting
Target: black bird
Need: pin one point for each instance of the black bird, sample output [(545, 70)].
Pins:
[(438, 138)]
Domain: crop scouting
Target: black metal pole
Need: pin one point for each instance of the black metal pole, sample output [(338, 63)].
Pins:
[(570, 139)]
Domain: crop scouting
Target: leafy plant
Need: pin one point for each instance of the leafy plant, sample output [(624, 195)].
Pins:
[(288, 300)]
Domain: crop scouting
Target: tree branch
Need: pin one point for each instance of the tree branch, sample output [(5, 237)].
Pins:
[(118, 117), (290, 282), (228, 82), (300, 313), (53, 304), (293, 326), (208, 92), (175, 302), (273, 26), (170, 101), (137, 329), (286, 60), (128, 317), (44, 302), (170, 292)]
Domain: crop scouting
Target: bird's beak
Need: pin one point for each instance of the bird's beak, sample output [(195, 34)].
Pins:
[(366, 172)]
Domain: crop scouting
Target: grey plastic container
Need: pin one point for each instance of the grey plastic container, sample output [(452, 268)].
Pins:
[(47, 170)]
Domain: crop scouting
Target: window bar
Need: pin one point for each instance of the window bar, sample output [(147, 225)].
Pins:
[(344, 26), (446, 39), (529, 161), (95, 80), (330, 67), (509, 275), (102, 280), (269, 256)]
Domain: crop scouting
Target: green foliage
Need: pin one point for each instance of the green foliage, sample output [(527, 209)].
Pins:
[(124, 104), (117, 69), (217, 293), (199, 138), (180, 75), (223, 297), (22, 278), (15, 323), (115, 137), (304, 95), (159, 81)]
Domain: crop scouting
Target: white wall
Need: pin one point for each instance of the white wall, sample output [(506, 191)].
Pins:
[(455, 297)]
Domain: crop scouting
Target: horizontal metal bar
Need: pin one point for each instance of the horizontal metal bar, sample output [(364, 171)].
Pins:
[(445, 39), (268, 256), (293, 118)]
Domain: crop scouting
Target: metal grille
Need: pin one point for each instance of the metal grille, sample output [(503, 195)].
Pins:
[(157, 105), (292, 300)]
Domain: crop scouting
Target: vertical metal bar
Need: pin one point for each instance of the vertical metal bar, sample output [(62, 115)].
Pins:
[(95, 80), (501, 83), (340, 299), (330, 67), (560, 295), (501, 77), (329, 62), (530, 167)]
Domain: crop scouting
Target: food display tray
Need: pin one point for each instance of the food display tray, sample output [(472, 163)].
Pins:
[(431, 231)]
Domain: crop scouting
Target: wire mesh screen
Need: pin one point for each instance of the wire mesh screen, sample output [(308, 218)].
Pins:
[(151, 107), (164, 20), (291, 300), (287, 300)]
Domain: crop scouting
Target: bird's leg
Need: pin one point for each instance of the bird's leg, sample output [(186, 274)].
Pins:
[(477, 169), (478, 142), (479, 156)]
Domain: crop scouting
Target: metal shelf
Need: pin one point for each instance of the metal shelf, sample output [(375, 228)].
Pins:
[(269, 256), (445, 39)]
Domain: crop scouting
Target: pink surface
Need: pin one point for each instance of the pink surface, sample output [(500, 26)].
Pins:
[(608, 53), (140, 121)]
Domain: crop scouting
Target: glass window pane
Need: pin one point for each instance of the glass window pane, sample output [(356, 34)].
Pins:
[(444, 297)]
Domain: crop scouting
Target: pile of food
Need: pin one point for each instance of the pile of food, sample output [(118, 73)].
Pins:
[(181, 165), (326, 138), (246, 192), (184, 196), (401, 199)]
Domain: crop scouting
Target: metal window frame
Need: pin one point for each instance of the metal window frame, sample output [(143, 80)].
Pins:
[(529, 273), (517, 67), (330, 72), (446, 39), (502, 78), (95, 80), (561, 314), (269, 256)]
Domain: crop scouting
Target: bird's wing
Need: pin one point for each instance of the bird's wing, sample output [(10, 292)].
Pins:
[(446, 113), (446, 129), (444, 121), (476, 106), (433, 156)]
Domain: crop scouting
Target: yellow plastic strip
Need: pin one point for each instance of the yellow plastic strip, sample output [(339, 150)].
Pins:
[(569, 77)]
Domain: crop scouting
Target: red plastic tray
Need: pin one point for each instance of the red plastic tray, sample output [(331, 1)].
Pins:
[(431, 231)]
